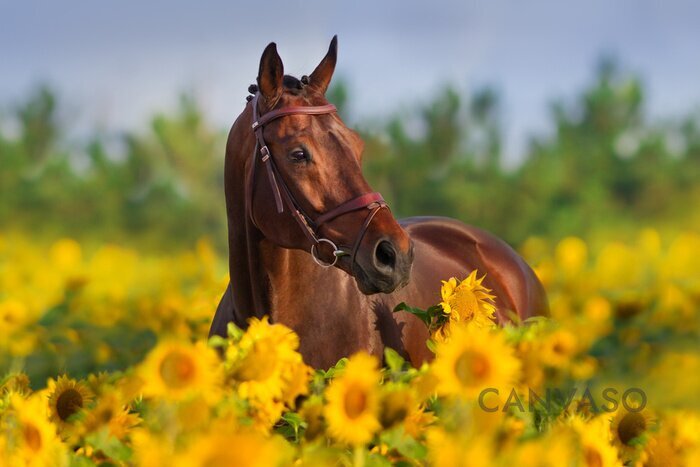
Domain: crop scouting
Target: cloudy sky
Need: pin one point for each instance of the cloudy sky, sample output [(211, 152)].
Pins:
[(116, 63)]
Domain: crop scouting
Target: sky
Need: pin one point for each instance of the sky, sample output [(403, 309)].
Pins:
[(115, 64)]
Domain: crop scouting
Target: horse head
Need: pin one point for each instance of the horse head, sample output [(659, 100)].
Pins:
[(304, 187)]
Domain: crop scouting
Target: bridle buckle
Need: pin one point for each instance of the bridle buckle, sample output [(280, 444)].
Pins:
[(265, 153)]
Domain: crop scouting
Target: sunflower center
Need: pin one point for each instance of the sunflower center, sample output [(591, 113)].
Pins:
[(394, 410), (631, 426), (558, 348), (32, 437), (355, 401), (68, 403), (105, 415), (592, 457), (471, 367), (464, 302), (177, 369)]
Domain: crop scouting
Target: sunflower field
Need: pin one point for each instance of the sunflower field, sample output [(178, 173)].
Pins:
[(104, 363)]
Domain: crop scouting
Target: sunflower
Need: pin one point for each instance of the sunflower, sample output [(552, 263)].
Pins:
[(509, 432), (532, 371), (15, 382), (266, 364), (628, 429), (112, 414), (297, 382), (571, 255), (425, 383), (661, 451), (353, 402), (129, 387), (265, 413), (684, 428), (396, 403), (558, 348), (418, 421), (472, 360), (66, 398), (312, 413), (151, 449), (467, 302), (66, 254), (594, 440), (579, 407), (13, 315), (194, 413), (97, 382), (458, 449), (677, 438), (554, 449), (36, 439), (226, 447), (176, 370)]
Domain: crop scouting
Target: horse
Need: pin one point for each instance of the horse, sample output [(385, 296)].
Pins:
[(312, 247)]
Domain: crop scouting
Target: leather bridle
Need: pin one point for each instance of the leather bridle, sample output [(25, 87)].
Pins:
[(283, 196)]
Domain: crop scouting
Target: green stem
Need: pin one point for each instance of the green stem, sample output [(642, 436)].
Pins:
[(359, 456)]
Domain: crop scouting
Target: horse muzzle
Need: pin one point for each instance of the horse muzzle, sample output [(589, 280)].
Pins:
[(383, 267)]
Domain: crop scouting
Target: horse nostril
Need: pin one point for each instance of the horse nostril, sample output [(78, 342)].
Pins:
[(385, 255)]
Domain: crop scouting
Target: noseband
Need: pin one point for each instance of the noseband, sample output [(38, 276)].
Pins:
[(283, 196)]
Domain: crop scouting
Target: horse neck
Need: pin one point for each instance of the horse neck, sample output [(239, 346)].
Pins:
[(257, 267)]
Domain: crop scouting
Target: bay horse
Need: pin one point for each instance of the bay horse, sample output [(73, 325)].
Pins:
[(312, 247)]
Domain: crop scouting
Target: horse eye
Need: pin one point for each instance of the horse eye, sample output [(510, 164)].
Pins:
[(299, 155)]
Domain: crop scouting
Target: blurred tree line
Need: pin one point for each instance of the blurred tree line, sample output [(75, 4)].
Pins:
[(604, 165)]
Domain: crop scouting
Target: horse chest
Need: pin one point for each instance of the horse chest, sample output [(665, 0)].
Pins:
[(334, 321)]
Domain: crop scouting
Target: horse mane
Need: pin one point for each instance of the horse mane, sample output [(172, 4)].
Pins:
[(291, 83)]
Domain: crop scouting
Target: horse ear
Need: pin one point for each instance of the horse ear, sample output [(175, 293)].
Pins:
[(270, 75), (321, 77)]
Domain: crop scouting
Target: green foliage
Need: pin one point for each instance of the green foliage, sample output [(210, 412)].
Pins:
[(162, 187), (603, 164), (59, 329), (434, 317)]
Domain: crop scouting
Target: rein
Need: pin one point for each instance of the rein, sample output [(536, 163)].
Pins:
[(374, 201)]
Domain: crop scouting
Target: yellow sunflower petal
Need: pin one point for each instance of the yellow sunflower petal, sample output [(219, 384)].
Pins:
[(353, 401)]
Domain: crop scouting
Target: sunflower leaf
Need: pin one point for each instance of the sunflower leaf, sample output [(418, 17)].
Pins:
[(234, 332), (80, 461), (116, 450), (393, 360), (377, 460), (217, 341), (423, 315), (337, 368), (405, 444), (290, 430), (293, 419)]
